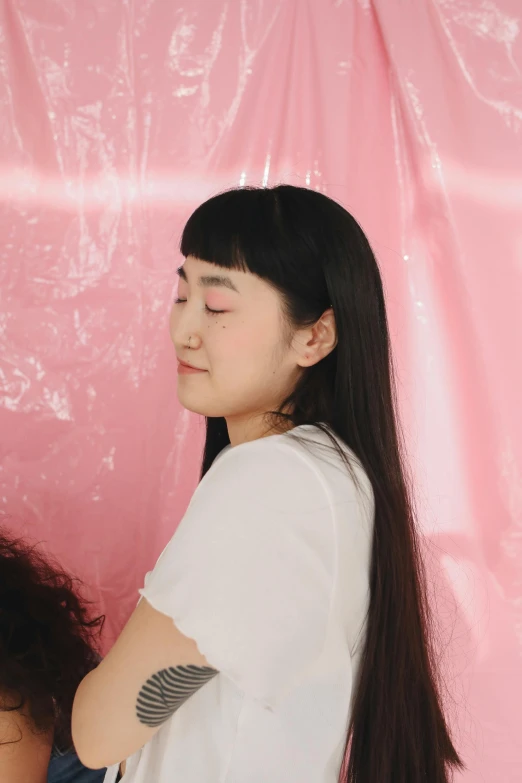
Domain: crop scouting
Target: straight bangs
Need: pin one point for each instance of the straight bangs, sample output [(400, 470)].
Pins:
[(239, 229)]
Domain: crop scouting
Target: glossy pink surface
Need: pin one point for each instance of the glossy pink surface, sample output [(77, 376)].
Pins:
[(116, 119)]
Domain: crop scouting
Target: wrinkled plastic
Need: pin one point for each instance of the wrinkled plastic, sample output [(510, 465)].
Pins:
[(117, 118)]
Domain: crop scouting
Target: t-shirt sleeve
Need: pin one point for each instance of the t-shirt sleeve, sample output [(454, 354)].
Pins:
[(249, 572)]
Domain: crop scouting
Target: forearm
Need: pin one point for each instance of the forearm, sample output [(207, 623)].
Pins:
[(100, 736), (149, 673)]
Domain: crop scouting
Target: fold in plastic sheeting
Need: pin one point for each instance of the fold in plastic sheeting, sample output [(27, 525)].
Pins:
[(116, 120)]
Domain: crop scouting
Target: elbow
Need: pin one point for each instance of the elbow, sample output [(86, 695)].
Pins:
[(89, 763), (92, 755), (87, 751), (83, 731)]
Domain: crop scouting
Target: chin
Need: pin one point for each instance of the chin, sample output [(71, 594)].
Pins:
[(190, 405), (190, 402)]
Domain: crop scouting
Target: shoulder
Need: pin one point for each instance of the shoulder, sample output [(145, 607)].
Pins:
[(272, 469), (262, 494), (305, 457)]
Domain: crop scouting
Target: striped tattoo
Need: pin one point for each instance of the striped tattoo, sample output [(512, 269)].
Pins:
[(167, 690)]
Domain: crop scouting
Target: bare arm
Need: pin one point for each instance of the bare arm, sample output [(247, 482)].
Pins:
[(148, 674)]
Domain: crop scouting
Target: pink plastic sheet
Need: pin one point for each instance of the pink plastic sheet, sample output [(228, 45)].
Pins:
[(117, 118)]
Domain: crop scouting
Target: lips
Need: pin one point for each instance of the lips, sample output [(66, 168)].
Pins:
[(186, 364)]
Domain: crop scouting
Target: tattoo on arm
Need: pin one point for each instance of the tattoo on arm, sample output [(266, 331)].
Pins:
[(167, 690)]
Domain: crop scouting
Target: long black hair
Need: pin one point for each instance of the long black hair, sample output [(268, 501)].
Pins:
[(315, 254), (48, 638)]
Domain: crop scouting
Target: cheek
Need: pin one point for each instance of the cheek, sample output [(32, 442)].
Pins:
[(245, 344), (245, 358), (173, 322)]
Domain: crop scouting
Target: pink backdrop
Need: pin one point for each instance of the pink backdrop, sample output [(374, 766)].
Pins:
[(117, 117)]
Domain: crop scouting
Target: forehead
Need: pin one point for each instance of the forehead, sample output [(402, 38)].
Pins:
[(204, 274)]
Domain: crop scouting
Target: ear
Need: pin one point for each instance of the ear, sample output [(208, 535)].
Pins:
[(316, 342)]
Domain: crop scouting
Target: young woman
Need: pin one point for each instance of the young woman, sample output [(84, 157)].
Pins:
[(47, 646), (284, 627)]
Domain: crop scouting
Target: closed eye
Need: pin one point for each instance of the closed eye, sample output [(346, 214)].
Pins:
[(208, 309)]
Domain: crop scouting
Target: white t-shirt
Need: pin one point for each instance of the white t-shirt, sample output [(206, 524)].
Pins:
[(268, 572)]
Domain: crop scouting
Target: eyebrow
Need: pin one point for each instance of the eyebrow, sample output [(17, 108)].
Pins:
[(210, 281)]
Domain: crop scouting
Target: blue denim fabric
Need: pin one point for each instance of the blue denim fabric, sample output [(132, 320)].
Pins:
[(67, 768)]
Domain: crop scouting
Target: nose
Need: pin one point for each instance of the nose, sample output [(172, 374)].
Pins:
[(182, 327)]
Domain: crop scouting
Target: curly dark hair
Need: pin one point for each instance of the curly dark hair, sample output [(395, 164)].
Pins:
[(48, 640)]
